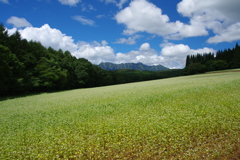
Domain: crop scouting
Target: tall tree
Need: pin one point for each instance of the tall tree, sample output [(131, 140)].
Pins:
[(10, 69), (236, 57)]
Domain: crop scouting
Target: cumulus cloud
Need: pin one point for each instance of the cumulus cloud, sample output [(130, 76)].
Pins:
[(181, 50), (147, 56), (171, 55), (218, 9), (143, 16), (84, 21), (12, 31), (176, 50), (175, 54), (229, 34), (18, 22), (220, 16), (69, 2), (49, 37), (94, 52)]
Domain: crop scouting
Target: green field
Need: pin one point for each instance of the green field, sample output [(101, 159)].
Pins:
[(191, 117)]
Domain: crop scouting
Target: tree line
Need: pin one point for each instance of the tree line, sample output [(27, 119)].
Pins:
[(28, 67), (200, 63)]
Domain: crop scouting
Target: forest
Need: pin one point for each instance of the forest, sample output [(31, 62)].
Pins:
[(200, 63), (28, 67)]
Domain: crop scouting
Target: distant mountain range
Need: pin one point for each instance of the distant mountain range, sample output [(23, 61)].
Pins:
[(136, 66)]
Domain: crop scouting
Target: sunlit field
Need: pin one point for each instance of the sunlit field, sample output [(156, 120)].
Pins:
[(191, 117)]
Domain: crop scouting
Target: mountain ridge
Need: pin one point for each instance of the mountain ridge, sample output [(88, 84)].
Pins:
[(135, 66)]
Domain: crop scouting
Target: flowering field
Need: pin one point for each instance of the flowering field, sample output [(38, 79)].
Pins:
[(192, 117)]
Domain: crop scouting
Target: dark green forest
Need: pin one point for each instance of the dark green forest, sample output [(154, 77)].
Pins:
[(200, 63), (28, 67)]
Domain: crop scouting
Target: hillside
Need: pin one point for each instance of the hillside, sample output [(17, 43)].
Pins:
[(136, 66), (28, 67), (188, 117)]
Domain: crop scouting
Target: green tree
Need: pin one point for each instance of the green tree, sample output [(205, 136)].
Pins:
[(188, 60), (236, 57), (84, 73), (3, 35), (102, 77), (10, 69), (216, 65), (49, 75), (195, 68)]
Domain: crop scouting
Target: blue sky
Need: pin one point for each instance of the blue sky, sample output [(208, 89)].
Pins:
[(121, 31)]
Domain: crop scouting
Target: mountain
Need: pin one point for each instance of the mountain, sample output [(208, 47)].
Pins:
[(136, 66)]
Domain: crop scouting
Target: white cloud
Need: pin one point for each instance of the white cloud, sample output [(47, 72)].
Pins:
[(94, 52), (144, 47), (195, 29), (218, 9), (145, 55), (18, 22), (175, 54), (204, 15), (129, 41), (148, 57), (230, 34), (176, 50), (142, 16), (49, 37), (220, 16), (69, 2), (4, 1), (12, 31), (83, 20), (171, 55), (181, 50)]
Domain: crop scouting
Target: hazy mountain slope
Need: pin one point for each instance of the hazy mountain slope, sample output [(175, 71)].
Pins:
[(137, 66)]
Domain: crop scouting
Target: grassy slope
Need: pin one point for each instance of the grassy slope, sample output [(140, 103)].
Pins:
[(192, 117)]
